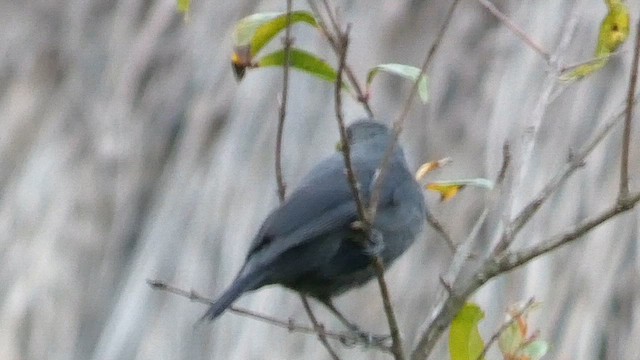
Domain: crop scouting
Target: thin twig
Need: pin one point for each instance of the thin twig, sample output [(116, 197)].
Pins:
[(626, 136), (533, 44), (495, 266), (399, 122), (377, 264), (278, 165), (292, 326), (503, 328), (437, 226), (574, 163), (346, 147), (531, 127), (506, 162), (283, 105), (510, 261), (448, 308), (333, 41), (322, 336)]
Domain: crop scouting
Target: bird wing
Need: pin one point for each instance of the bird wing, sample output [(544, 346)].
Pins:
[(323, 203)]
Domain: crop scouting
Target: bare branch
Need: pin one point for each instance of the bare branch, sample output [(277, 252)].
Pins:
[(460, 291), (377, 263), (335, 44), (435, 224), (292, 326), (283, 105), (506, 162), (626, 136), (563, 174), (510, 261), (533, 44)]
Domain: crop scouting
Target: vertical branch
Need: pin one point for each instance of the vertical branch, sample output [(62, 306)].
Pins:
[(282, 187), (396, 347), (626, 135)]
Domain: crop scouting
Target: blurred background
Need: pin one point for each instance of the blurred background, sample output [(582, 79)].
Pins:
[(128, 151)]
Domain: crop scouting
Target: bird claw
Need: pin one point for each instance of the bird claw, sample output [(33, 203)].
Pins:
[(375, 245)]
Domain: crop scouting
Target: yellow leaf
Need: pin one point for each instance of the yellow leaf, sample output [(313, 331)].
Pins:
[(614, 31), (447, 191)]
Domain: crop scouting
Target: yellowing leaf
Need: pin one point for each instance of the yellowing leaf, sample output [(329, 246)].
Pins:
[(451, 188), (465, 342), (447, 192), (614, 31), (426, 168), (254, 32), (408, 72)]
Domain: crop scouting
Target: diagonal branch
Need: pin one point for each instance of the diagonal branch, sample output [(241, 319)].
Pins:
[(399, 122), (563, 174), (510, 261), (533, 44), (495, 266), (626, 136), (292, 326)]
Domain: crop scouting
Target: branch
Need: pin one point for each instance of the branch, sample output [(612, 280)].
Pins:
[(335, 45), (495, 266), (318, 328), (283, 105), (516, 30), (437, 226), (563, 174), (291, 325), (396, 347), (626, 136), (398, 124), (510, 261)]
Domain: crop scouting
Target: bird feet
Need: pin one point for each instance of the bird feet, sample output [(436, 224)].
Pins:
[(375, 245)]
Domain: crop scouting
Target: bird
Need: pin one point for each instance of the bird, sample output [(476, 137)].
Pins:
[(311, 243)]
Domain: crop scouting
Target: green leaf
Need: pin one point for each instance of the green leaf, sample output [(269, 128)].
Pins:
[(303, 61), (408, 72), (465, 342), (257, 30)]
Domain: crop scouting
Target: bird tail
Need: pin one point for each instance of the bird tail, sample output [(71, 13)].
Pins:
[(239, 286)]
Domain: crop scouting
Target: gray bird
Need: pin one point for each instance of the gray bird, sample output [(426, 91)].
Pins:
[(310, 244)]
